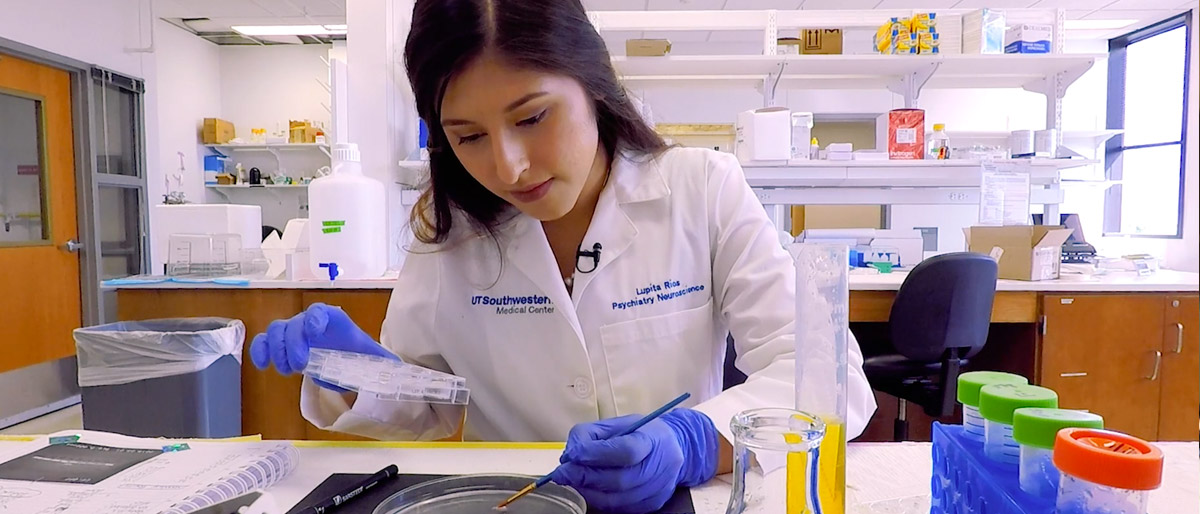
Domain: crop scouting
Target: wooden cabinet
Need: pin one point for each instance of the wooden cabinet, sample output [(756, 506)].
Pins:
[(1179, 413), (1115, 355)]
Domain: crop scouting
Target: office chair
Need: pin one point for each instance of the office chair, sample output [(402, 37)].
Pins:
[(940, 318)]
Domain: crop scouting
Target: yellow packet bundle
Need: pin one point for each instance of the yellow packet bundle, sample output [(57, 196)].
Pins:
[(905, 44), (885, 35), (927, 43), (922, 21)]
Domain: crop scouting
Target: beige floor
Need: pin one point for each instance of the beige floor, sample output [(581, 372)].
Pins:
[(70, 418)]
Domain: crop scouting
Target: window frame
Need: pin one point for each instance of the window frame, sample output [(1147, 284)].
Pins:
[(1115, 147)]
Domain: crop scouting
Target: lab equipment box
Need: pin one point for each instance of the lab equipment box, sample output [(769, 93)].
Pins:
[(216, 131), (764, 135), (1028, 39), (1023, 252)]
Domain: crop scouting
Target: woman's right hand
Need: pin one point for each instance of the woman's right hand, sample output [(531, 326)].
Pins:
[(287, 342)]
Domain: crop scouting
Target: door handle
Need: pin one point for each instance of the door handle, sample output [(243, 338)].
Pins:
[(1157, 366), (72, 246), (1179, 338)]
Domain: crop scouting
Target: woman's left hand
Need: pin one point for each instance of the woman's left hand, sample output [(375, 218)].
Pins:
[(640, 471)]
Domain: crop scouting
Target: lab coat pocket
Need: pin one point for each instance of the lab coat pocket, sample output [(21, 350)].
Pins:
[(654, 359)]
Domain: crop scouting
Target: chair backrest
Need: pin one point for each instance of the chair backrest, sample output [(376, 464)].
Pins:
[(945, 302)]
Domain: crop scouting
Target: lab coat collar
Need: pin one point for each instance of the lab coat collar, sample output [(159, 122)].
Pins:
[(528, 250), (637, 178)]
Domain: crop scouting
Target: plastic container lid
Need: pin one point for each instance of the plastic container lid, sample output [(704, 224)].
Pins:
[(970, 383), (1039, 427), (939, 126), (998, 401), (1108, 458), (345, 152)]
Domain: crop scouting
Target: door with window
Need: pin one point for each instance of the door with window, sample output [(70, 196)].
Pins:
[(39, 266)]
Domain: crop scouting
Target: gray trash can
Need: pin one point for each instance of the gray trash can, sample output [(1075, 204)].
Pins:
[(162, 378)]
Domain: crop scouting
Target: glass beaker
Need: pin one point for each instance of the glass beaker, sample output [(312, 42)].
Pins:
[(775, 456)]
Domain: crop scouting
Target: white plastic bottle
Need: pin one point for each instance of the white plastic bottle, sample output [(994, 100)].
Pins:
[(939, 143), (347, 220)]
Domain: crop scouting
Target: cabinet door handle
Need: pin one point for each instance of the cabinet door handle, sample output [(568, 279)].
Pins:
[(1157, 365), (1179, 338)]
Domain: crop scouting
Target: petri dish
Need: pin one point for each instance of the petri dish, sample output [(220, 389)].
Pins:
[(479, 494)]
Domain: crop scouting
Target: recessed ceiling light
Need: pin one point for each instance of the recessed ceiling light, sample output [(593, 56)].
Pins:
[(289, 30), (1097, 24)]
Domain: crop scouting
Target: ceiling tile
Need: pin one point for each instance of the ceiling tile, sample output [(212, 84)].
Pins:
[(1081, 5), (839, 4), (279, 7), (208, 9), (752, 5), (1141, 14), (685, 5), (322, 7), (615, 5), (736, 36), (996, 4), (678, 35), (1143, 4), (910, 4)]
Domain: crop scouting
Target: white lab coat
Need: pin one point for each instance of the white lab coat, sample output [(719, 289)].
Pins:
[(688, 256)]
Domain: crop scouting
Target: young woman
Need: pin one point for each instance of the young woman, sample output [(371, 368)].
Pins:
[(577, 271)]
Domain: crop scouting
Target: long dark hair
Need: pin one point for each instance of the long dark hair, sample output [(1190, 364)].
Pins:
[(553, 36)]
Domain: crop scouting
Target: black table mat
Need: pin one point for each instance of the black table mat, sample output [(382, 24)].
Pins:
[(681, 503)]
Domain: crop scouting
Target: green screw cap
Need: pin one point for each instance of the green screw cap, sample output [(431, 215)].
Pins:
[(969, 384), (1038, 427), (998, 401)]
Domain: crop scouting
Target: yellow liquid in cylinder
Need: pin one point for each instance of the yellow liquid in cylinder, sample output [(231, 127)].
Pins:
[(831, 472)]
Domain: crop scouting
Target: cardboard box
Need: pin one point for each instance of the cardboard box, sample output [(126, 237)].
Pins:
[(906, 134), (647, 47), (216, 131), (1025, 252), (821, 41)]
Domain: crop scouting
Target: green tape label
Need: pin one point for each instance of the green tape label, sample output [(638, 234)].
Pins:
[(331, 230), (335, 223)]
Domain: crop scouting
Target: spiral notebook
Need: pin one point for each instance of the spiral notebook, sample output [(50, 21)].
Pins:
[(89, 472)]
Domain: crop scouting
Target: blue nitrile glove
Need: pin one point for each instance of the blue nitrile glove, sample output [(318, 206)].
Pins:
[(286, 342), (638, 472)]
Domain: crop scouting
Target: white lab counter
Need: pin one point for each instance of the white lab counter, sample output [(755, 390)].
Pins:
[(1124, 281), (881, 478)]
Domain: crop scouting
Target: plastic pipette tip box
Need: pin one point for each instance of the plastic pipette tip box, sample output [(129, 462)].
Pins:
[(965, 481), (386, 379)]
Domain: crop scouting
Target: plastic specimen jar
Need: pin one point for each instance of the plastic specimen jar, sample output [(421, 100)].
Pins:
[(1105, 472), (969, 385), (1035, 430), (997, 402)]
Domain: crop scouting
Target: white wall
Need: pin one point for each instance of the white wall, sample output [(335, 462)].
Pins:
[(265, 86), (1184, 254), (188, 90), (95, 31)]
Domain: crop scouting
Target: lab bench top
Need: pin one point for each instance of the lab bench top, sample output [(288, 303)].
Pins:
[(881, 478), (1121, 281)]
